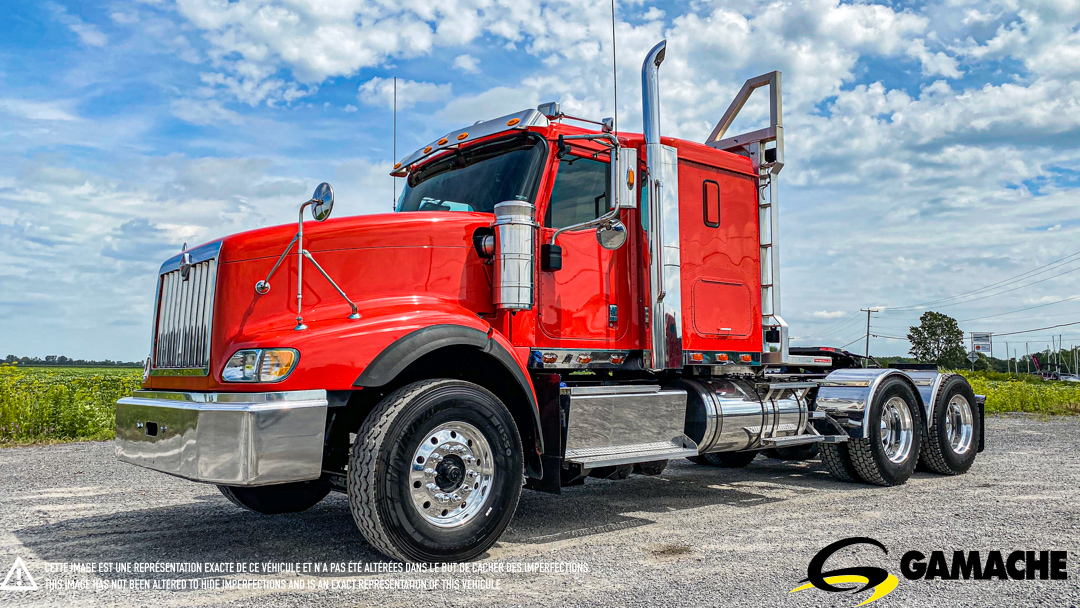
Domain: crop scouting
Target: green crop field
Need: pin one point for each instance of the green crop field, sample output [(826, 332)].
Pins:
[(61, 403), (41, 404), (1023, 393)]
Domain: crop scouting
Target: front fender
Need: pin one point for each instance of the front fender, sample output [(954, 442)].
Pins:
[(334, 352)]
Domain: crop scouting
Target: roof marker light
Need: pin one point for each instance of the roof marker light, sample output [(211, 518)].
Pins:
[(462, 136), (441, 141), (512, 122)]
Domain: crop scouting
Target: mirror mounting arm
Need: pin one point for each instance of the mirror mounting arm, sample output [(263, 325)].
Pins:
[(322, 204)]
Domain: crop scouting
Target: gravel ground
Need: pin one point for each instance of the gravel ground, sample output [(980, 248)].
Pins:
[(693, 536)]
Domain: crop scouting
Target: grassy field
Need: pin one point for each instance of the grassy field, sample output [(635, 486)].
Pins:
[(39, 404)]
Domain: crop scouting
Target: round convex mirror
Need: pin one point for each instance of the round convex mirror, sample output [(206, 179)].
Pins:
[(611, 235), (324, 202)]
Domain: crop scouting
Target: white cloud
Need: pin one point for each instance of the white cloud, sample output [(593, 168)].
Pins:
[(829, 314), (381, 92), (88, 33), (36, 110), (467, 64), (204, 112)]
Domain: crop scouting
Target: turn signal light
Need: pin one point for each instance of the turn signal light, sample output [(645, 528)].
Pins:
[(746, 358), (260, 365), (630, 179), (722, 357), (550, 358), (697, 357), (584, 358), (617, 359)]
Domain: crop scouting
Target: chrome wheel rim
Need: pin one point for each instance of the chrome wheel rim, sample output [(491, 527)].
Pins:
[(897, 430), (958, 424), (451, 474)]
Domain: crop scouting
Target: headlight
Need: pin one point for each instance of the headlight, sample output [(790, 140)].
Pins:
[(260, 365)]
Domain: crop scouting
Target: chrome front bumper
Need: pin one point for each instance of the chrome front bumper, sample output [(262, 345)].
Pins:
[(236, 439)]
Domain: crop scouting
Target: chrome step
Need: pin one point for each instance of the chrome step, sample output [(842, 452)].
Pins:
[(612, 455), (790, 440)]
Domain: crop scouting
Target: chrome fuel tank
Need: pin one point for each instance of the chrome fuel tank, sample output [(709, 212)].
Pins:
[(729, 415)]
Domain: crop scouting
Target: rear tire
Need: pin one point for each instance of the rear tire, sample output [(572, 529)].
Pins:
[(951, 443), (278, 499), (888, 456), (837, 460), (435, 472), (727, 460)]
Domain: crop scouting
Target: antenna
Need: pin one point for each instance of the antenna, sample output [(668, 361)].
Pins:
[(614, 71), (394, 160)]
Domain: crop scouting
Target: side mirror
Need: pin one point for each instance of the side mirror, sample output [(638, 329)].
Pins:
[(624, 178), (611, 235), (322, 202)]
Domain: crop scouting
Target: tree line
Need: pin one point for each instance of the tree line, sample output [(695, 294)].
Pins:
[(61, 360), (938, 339)]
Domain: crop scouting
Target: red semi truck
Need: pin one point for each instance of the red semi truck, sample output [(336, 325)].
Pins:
[(551, 300)]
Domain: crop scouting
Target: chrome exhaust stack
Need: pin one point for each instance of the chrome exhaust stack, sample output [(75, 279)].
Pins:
[(664, 315)]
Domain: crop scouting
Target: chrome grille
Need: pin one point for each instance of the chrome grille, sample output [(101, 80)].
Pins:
[(184, 315)]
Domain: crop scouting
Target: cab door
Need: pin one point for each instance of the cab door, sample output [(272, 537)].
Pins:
[(585, 304)]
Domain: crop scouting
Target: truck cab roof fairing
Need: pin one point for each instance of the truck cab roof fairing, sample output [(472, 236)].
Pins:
[(520, 121)]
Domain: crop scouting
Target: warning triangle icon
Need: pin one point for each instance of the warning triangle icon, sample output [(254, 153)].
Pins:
[(18, 578)]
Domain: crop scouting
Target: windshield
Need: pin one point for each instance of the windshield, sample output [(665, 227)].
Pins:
[(477, 178)]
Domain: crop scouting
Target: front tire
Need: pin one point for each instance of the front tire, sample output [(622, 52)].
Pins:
[(435, 472), (952, 441), (888, 456), (278, 499)]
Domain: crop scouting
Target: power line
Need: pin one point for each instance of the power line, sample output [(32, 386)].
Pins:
[(994, 295), (852, 342), (1019, 310), (1033, 272), (1027, 331), (835, 326)]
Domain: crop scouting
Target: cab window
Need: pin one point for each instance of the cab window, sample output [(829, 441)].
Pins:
[(579, 193)]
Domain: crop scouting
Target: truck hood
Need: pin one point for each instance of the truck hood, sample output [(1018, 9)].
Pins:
[(415, 229)]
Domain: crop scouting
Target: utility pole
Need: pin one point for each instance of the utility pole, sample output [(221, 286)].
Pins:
[(1027, 350), (1007, 358), (868, 311)]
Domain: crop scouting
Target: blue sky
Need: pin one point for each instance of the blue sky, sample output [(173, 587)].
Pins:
[(931, 147)]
